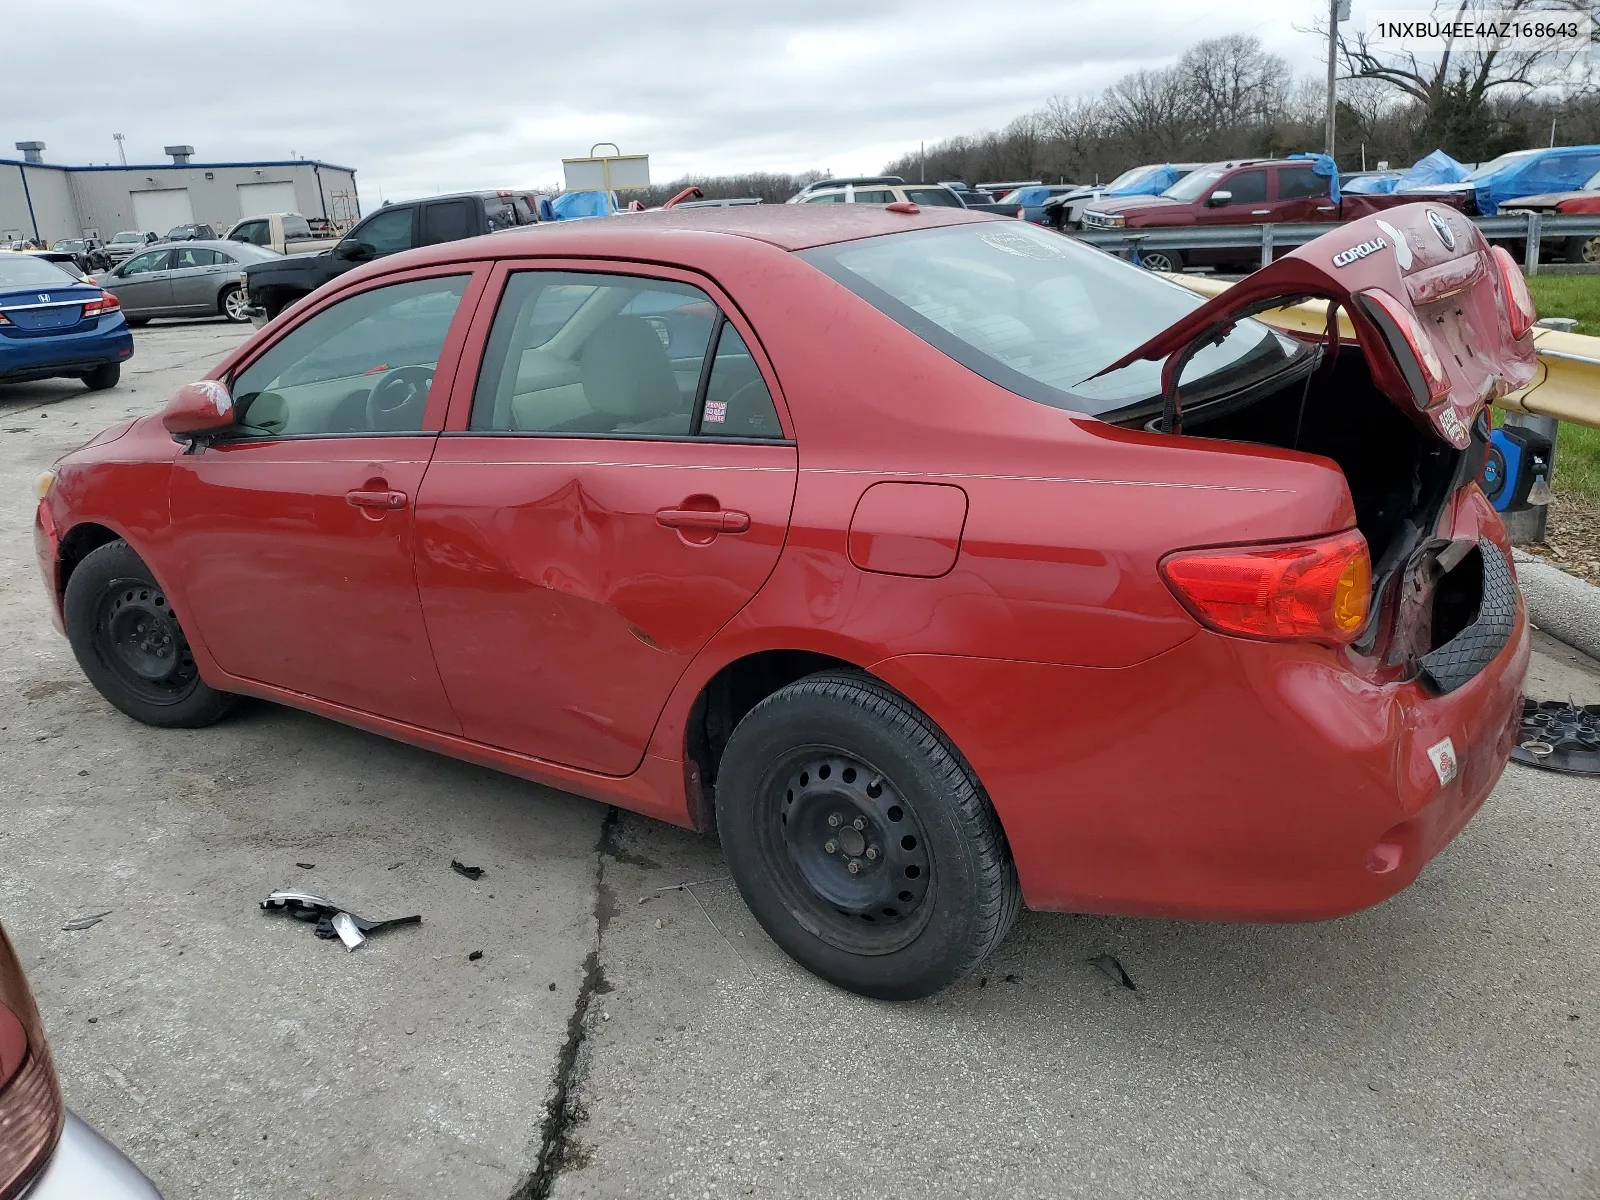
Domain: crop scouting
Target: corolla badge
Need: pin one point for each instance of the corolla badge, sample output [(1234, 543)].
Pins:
[(1356, 253), (1442, 228)]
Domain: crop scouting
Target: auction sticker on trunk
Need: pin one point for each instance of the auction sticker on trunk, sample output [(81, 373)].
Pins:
[(1443, 755)]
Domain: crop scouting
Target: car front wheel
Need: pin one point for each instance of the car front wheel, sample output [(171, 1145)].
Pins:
[(126, 637), (1161, 260), (1583, 250), (861, 839)]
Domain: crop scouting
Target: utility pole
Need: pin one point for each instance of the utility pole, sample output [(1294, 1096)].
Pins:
[(923, 150), (1334, 7), (121, 153)]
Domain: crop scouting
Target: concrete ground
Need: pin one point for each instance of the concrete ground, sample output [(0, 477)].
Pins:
[(623, 1035)]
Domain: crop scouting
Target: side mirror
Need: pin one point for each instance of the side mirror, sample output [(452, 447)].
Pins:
[(353, 250), (198, 409), (1218, 199)]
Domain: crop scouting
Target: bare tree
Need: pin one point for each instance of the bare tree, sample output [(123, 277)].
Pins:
[(1234, 89), (1454, 90)]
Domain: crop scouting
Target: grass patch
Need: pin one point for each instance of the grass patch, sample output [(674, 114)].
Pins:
[(1577, 447), (1569, 296)]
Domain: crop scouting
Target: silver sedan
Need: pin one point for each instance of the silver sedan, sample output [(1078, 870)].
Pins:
[(184, 279)]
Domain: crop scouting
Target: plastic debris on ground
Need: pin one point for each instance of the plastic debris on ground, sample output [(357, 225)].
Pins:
[(1113, 970), (461, 868), (332, 921), (1558, 735)]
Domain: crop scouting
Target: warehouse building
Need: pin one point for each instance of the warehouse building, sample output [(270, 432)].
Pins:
[(49, 201)]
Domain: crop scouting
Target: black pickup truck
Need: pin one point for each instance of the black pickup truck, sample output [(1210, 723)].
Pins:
[(276, 284)]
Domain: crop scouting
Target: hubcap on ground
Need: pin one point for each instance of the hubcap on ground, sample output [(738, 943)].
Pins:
[(139, 639), (856, 843)]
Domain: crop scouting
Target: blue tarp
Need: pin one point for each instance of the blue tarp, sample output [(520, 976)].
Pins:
[(570, 206), (1322, 164), (1432, 169), (1152, 183), (1563, 169), (1032, 197), (1373, 185)]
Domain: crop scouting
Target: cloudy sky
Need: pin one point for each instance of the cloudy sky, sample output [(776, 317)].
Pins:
[(422, 96)]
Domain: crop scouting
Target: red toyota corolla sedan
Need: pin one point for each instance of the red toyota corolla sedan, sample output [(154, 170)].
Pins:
[(939, 563)]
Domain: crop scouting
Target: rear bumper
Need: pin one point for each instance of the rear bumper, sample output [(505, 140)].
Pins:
[(1222, 780), (76, 353), (85, 1165)]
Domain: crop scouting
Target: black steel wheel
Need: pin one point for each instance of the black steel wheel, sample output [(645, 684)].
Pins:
[(129, 642), (861, 839)]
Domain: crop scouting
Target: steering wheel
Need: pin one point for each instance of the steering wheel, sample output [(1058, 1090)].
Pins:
[(396, 402)]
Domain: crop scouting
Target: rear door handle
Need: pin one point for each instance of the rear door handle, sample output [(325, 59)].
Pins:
[(362, 498), (1326, 208), (1260, 212), (725, 520)]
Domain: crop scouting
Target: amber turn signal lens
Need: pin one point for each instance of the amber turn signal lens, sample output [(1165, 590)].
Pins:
[(1317, 590)]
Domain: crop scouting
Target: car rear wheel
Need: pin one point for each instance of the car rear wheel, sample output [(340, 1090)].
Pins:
[(1161, 260), (861, 840), (235, 304), (1583, 250), (101, 378), (138, 322), (128, 641)]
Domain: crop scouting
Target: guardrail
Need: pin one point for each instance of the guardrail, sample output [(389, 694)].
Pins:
[(1534, 227), (1567, 386)]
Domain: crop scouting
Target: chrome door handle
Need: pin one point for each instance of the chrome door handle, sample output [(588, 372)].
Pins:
[(1260, 212), (1326, 208)]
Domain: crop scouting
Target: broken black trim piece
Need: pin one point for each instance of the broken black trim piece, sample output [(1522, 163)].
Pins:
[(1461, 658)]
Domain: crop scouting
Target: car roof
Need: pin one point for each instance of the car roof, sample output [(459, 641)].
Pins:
[(659, 234), (207, 244)]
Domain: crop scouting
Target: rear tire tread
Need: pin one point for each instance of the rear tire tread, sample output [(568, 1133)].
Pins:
[(999, 896)]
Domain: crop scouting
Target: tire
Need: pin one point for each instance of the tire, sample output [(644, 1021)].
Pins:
[(103, 377), (137, 322), (1161, 260), (1583, 250), (939, 891), (128, 641), (234, 304)]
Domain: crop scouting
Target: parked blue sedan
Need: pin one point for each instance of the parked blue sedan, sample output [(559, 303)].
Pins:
[(54, 325)]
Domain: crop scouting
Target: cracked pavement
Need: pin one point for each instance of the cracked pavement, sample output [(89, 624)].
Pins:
[(623, 1035)]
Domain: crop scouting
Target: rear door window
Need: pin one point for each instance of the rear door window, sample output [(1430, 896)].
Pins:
[(933, 197), (145, 264), (874, 196), (446, 221), (593, 355), (1299, 183)]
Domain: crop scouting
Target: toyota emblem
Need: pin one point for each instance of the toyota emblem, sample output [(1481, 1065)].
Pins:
[(1442, 228)]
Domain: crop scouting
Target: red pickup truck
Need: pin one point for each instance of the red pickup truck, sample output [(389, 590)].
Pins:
[(1252, 191)]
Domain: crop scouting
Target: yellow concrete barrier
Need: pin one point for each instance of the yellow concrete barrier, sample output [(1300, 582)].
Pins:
[(1567, 386)]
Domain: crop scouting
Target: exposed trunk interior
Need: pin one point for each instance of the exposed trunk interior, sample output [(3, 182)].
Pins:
[(1400, 477)]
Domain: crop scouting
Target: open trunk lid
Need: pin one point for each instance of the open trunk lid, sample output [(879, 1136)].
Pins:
[(1434, 310)]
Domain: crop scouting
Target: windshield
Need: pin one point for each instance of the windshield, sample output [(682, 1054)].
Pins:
[(1192, 185), (1499, 164), (1035, 312), (1129, 178), (71, 245), (128, 237), (23, 270)]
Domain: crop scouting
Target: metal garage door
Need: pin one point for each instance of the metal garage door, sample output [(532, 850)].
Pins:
[(157, 212), (258, 199)]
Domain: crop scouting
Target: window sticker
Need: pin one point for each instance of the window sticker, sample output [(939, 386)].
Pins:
[(716, 412)]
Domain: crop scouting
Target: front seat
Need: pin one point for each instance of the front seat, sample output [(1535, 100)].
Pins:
[(629, 383)]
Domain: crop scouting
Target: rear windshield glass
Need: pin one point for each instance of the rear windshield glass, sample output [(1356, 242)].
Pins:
[(1037, 313), (23, 270)]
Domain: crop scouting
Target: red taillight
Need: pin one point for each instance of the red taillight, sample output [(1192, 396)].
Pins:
[(98, 308), (4, 320), (1519, 301), (1317, 591), (1436, 384), (31, 1110)]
